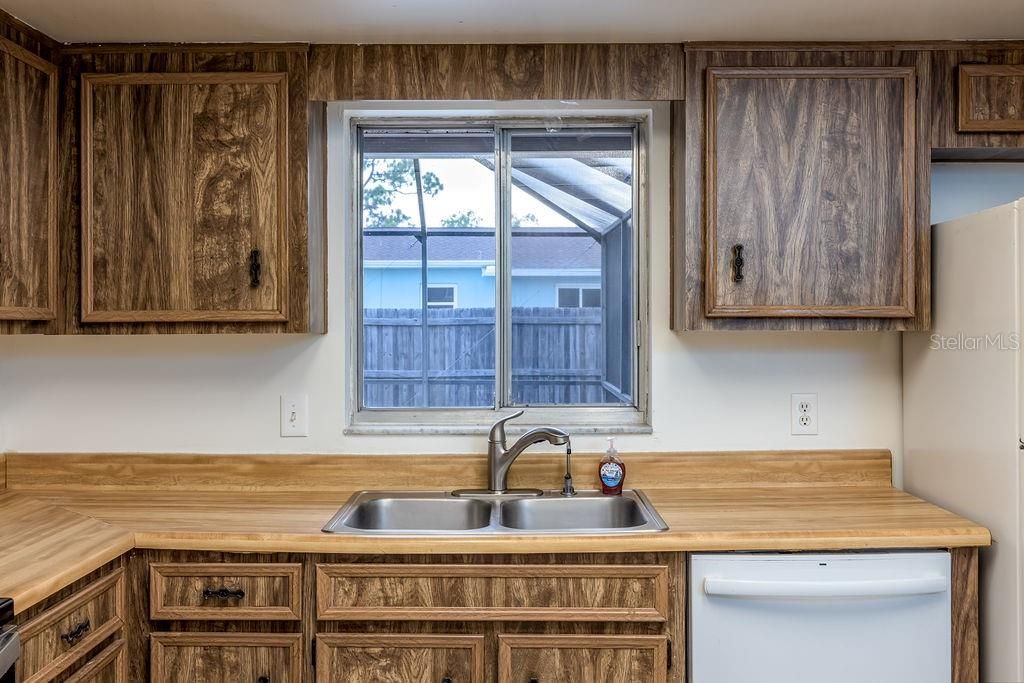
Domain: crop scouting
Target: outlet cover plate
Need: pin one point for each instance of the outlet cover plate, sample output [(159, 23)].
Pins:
[(803, 413)]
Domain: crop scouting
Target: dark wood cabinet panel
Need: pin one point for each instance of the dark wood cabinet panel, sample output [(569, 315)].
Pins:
[(992, 89), (399, 658), (223, 591), (991, 98), (815, 161), (65, 633), (226, 657), (292, 273), (28, 189), (810, 191), (184, 197), (468, 592), (645, 71), (598, 659)]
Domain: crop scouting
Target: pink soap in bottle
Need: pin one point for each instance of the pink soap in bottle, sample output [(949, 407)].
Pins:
[(611, 471)]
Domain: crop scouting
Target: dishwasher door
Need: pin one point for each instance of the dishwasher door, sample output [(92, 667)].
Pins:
[(796, 618)]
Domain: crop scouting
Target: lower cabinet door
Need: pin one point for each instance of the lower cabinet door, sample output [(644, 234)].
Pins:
[(399, 658), (595, 659), (110, 665), (226, 657)]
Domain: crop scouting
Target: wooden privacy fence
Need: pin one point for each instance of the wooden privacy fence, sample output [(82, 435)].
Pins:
[(558, 356)]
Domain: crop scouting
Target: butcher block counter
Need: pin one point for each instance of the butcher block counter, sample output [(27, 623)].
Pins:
[(63, 516)]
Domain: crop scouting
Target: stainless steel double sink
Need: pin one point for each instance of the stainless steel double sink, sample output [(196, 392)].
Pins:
[(440, 513)]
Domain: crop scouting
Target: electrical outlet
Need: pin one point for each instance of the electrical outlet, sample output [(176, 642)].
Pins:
[(295, 415), (803, 414)]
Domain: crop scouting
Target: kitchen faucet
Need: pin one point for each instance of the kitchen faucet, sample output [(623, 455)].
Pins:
[(500, 456)]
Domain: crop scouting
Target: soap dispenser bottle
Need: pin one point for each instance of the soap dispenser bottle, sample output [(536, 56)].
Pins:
[(611, 471)]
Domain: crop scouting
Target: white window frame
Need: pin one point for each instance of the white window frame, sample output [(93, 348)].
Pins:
[(439, 285), (579, 292), (343, 122)]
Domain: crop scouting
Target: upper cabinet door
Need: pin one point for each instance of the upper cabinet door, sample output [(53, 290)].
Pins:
[(184, 197), (991, 98), (28, 195), (810, 191)]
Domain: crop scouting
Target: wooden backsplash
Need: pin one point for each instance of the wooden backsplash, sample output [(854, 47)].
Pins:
[(310, 473)]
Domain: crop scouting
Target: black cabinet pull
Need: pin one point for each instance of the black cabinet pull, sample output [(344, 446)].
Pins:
[(446, 679), (223, 594), (75, 634), (737, 263), (263, 679), (534, 680), (255, 268)]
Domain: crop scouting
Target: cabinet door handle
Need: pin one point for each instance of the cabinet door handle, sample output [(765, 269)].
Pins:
[(534, 679), (223, 594), (75, 634), (263, 679), (737, 263), (255, 268), (446, 679)]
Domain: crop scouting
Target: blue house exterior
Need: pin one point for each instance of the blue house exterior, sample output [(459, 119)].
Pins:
[(541, 267)]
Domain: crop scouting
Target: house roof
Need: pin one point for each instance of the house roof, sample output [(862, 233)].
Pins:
[(545, 252)]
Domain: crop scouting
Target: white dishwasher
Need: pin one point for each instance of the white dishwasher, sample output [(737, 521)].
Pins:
[(836, 618)]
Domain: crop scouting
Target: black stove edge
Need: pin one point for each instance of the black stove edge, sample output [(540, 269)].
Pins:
[(6, 611)]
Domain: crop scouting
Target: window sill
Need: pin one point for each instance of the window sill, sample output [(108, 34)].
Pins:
[(598, 420)]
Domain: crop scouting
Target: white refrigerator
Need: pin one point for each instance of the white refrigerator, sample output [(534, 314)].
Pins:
[(962, 410)]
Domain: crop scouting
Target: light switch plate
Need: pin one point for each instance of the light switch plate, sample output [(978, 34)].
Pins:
[(803, 413), (295, 415)]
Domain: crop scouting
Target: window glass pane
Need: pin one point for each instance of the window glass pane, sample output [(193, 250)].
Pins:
[(428, 248), (568, 297), (590, 298), (571, 208)]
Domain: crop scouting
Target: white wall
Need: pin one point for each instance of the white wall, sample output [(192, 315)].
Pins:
[(959, 189), (710, 391)]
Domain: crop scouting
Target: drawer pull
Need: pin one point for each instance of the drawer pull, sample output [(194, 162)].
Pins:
[(263, 679), (223, 594), (75, 634), (446, 679), (737, 263), (255, 268)]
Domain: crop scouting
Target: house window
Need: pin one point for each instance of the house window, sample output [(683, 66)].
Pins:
[(442, 296), (579, 297), (504, 214)]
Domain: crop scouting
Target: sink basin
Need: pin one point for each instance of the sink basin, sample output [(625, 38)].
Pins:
[(580, 512), (440, 513), (418, 512)]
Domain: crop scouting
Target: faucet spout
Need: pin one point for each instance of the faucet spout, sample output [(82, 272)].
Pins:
[(500, 456)]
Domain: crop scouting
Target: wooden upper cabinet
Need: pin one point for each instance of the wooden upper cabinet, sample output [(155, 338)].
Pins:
[(184, 197), (990, 98), (28, 195), (810, 192)]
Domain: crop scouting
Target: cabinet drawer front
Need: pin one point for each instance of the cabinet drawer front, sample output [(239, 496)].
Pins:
[(810, 192), (61, 635), (399, 658), (184, 197), (226, 591), (991, 98), (109, 666), (226, 657), (460, 592), (596, 659)]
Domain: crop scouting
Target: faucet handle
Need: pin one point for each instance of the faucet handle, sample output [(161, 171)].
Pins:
[(497, 434)]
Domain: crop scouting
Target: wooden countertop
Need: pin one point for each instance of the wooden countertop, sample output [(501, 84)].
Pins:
[(50, 537)]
